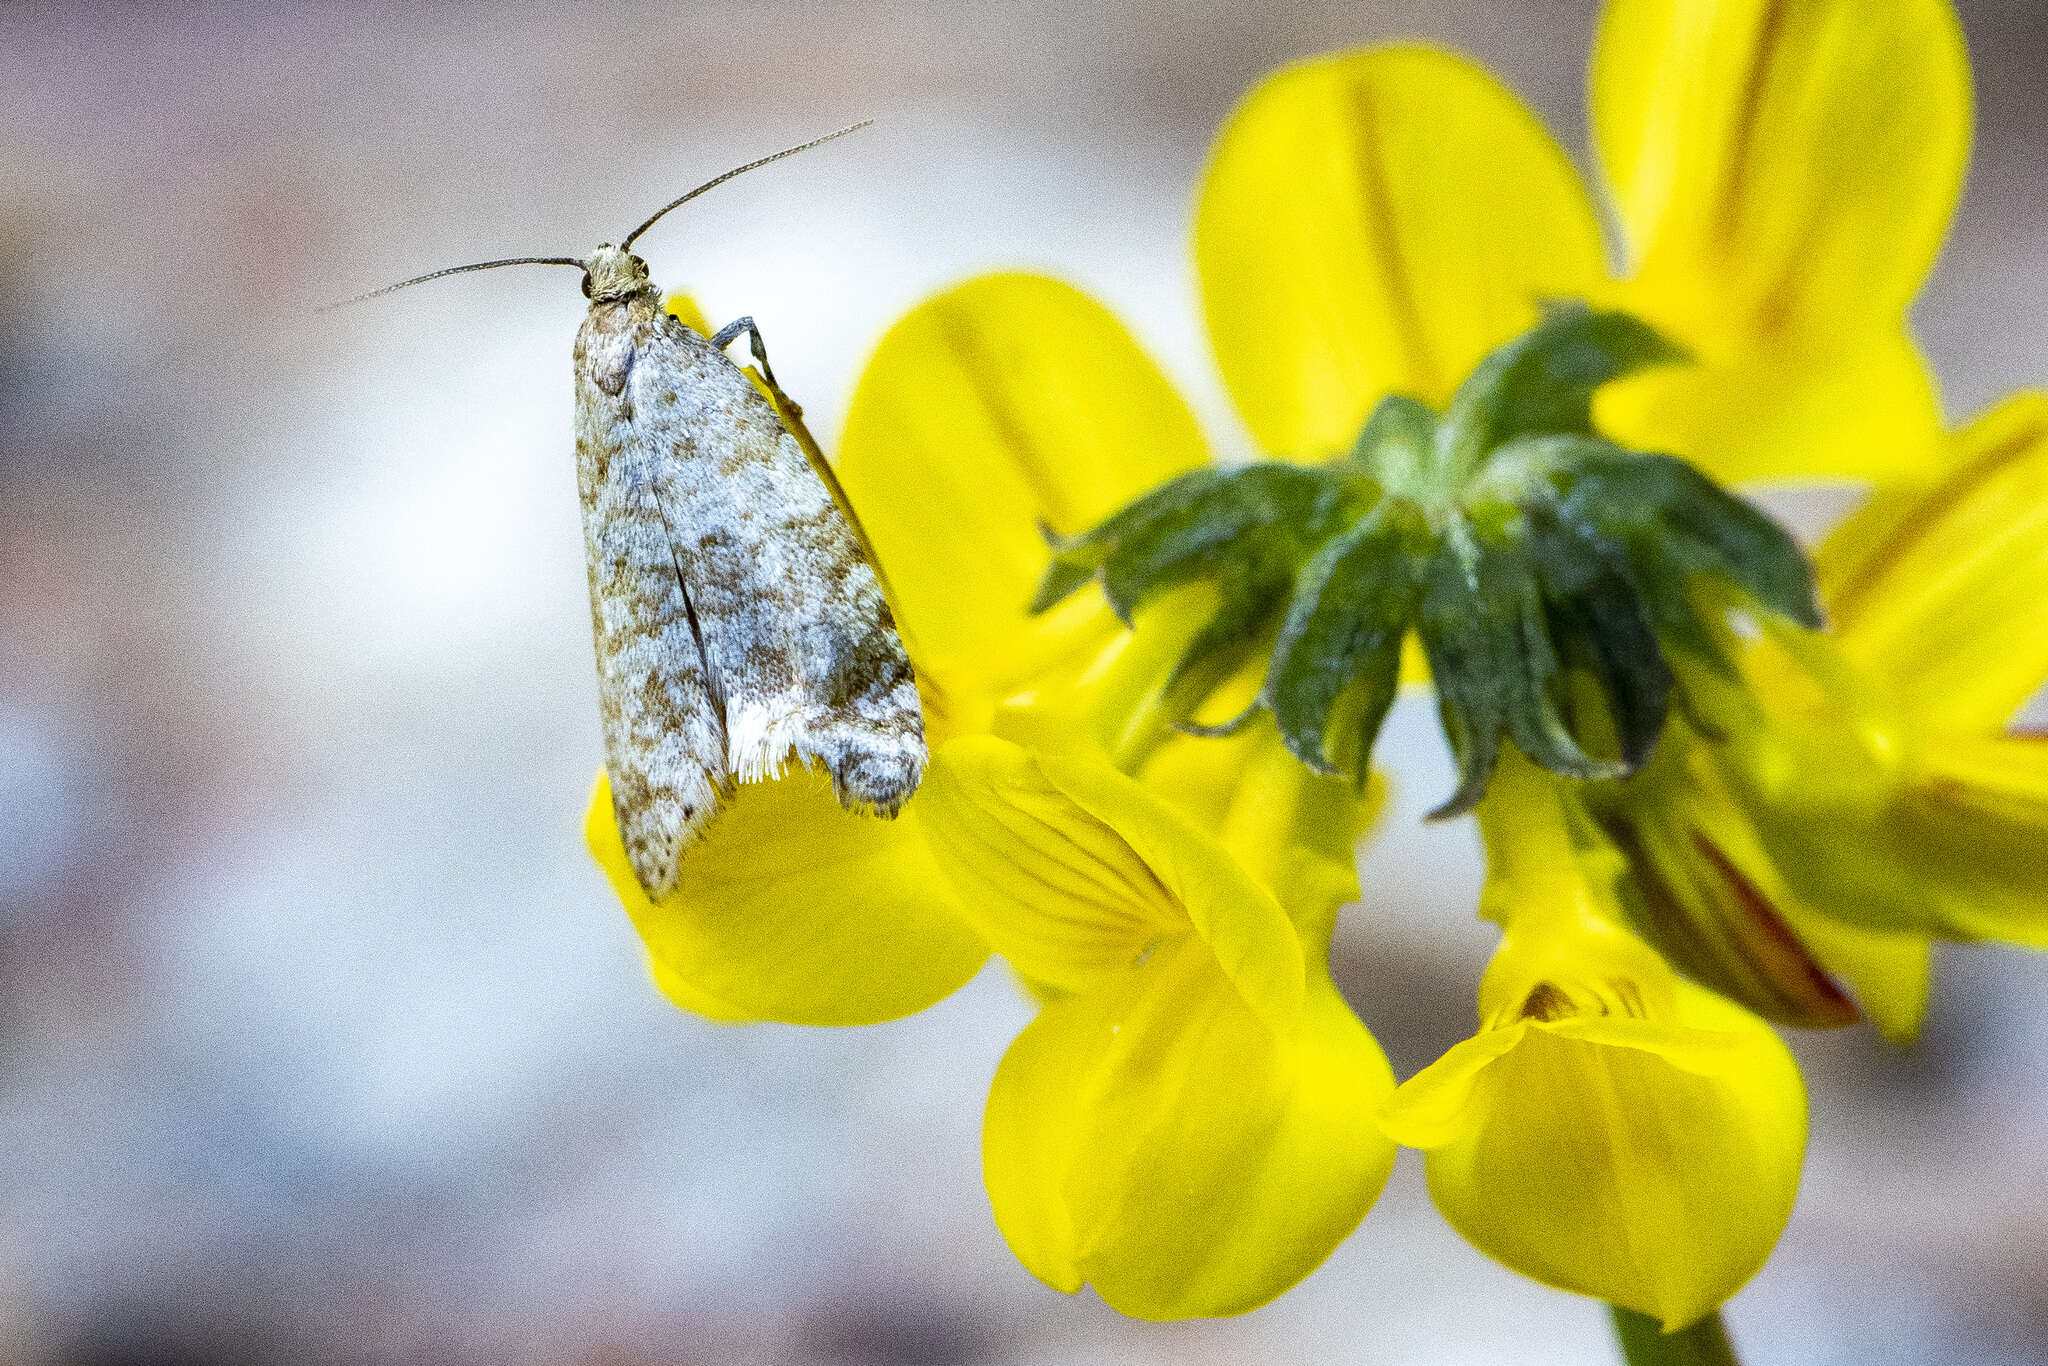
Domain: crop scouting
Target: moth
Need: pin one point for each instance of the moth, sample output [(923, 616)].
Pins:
[(738, 619)]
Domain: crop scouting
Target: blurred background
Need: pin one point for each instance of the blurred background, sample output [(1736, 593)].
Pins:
[(321, 1039)]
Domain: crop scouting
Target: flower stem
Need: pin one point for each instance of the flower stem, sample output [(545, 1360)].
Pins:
[(1645, 1343)]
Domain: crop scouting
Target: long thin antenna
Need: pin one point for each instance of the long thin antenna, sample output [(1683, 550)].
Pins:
[(716, 181), (458, 270)]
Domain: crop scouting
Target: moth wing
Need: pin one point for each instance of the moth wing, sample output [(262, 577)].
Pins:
[(801, 647), (663, 732)]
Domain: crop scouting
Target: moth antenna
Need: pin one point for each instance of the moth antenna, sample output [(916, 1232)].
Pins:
[(716, 181), (458, 270)]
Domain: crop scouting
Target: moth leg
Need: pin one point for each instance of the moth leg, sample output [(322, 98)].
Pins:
[(730, 333)]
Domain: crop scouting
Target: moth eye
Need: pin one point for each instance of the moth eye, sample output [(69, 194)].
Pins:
[(638, 262), (586, 286)]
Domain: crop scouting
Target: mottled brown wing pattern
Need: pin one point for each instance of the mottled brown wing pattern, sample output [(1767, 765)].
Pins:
[(793, 639)]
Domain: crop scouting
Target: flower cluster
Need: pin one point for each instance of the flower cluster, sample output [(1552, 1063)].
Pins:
[(1195, 1118)]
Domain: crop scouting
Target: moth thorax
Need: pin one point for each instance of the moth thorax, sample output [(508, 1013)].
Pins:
[(614, 274)]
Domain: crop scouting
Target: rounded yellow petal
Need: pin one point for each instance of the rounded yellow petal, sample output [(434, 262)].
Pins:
[(1156, 1139), (1375, 222), (1007, 402), (1749, 412), (1943, 593), (1649, 1164), (1782, 168), (790, 908), (1076, 873)]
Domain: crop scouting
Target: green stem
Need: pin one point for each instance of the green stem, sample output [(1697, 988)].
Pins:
[(1645, 1343)]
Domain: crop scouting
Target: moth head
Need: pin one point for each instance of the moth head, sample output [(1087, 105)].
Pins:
[(613, 274)]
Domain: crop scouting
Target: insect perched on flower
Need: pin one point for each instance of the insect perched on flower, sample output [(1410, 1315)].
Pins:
[(737, 619), (1717, 790)]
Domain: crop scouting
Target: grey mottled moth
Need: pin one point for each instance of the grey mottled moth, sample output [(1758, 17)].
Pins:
[(737, 619)]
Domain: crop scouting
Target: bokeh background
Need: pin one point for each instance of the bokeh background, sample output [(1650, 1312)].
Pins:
[(321, 1039)]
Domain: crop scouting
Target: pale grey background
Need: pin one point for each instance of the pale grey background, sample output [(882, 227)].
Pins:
[(320, 1038)]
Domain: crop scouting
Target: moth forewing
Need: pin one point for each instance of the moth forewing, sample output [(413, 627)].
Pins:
[(797, 635), (664, 739), (698, 500)]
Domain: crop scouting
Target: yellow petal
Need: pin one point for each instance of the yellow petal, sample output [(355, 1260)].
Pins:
[(686, 307), (1944, 593), (1876, 821), (1295, 830), (1748, 411), (1009, 401), (1709, 896), (1434, 1107), (1109, 698), (1077, 875), (1889, 972), (1375, 222), (1782, 168), (1966, 849), (790, 908), (1652, 1164), (1156, 1139)]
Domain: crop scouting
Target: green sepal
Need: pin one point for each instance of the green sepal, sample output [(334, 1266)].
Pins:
[(1674, 519), (1543, 381), (1337, 664), (1596, 618), (1243, 622), (1398, 442), (1077, 559), (1549, 573), (1487, 635), (1250, 528), (1062, 579)]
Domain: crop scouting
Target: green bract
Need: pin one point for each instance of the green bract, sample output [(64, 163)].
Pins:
[(1546, 570)]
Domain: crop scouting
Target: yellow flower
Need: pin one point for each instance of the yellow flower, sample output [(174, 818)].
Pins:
[(1375, 222), (1189, 1123), (1860, 792), (1612, 1129)]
